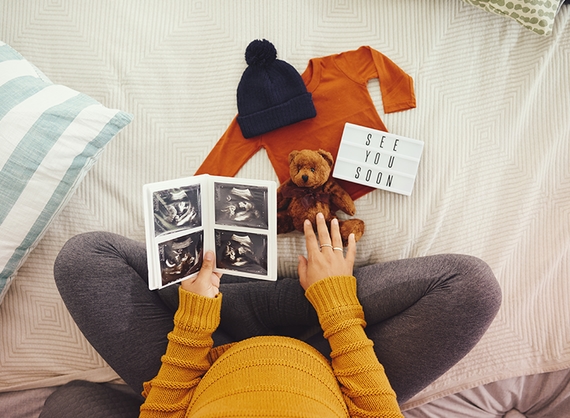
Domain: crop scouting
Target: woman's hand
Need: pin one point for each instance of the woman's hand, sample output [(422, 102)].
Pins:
[(206, 283), (327, 259)]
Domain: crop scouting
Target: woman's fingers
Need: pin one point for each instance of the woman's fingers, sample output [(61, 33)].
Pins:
[(325, 255), (324, 237), (206, 282), (310, 238), (302, 268), (336, 239), (351, 251)]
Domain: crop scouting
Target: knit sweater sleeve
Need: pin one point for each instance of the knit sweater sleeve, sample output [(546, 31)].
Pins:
[(364, 384), (186, 359)]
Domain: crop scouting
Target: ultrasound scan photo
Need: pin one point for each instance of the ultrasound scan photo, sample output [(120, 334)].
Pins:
[(176, 209), (239, 251), (241, 205), (180, 257)]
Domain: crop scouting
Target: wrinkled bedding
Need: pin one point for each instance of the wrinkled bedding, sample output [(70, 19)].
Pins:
[(493, 182)]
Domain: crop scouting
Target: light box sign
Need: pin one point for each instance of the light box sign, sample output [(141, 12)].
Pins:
[(378, 159)]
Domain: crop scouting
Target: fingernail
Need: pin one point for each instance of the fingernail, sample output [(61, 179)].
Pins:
[(307, 222), (320, 215), (209, 256), (335, 221)]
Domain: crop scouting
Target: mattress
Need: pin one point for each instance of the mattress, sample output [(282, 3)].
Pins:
[(493, 182)]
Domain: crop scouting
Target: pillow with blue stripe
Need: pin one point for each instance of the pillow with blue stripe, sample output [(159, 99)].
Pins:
[(50, 136)]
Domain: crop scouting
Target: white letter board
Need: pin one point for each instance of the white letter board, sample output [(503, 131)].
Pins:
[(378, 159)]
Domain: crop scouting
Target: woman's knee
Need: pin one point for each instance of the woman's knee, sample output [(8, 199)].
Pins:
[(78, 246), (78, 252), (479, 284)]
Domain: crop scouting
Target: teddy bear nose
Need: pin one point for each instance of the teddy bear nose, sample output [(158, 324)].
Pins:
[(305, 177)]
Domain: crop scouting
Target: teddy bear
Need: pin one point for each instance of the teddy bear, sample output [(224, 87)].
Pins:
[(310, 190)]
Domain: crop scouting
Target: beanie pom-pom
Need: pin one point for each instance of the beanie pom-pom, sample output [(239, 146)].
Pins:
[(260, 52)]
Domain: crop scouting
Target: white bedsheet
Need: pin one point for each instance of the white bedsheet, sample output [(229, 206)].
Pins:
[(494, 180)]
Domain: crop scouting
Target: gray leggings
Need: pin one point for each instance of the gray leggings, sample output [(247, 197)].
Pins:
[(423, 314)]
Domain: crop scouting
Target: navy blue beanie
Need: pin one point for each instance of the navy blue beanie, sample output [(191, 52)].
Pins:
[(271, 93)]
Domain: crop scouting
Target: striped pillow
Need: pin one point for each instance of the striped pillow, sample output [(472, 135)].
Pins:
[(50, 136)]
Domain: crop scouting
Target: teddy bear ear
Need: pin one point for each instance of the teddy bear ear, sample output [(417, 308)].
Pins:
[(292, 155), (327, 156)]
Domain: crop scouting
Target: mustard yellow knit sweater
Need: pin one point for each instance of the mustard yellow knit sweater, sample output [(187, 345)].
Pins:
[(271, 376)]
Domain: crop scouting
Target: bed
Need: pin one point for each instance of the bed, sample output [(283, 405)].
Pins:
[(492, 97)]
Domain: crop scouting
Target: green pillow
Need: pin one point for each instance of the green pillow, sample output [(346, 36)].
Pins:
[(535, 15)]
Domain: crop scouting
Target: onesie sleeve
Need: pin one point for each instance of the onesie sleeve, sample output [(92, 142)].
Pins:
[(230, 153), (366, 63)]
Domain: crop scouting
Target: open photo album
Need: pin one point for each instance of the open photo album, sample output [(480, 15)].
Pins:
[(235, 218)]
